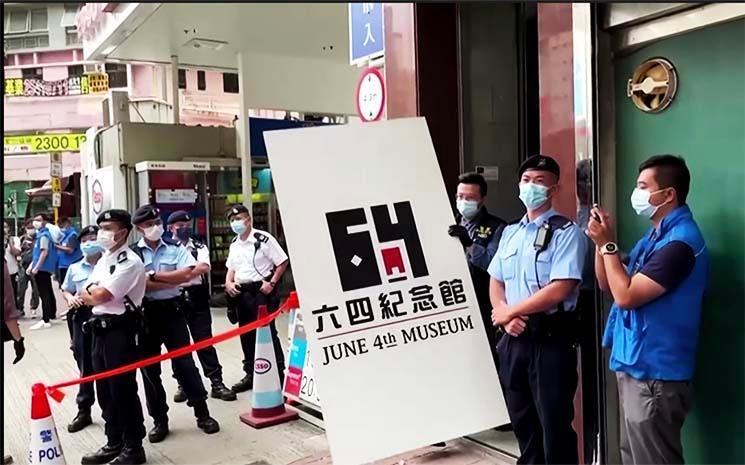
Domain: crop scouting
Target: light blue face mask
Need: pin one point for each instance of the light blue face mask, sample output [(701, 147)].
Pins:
[(467, 208), (533, 195), (238, 227), (90, 248)]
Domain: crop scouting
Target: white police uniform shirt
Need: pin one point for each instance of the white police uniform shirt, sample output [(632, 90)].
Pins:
[(122, 273), (249, 269), (203, 256)]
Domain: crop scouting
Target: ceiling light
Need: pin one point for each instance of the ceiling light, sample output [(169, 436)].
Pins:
[(211, 44)]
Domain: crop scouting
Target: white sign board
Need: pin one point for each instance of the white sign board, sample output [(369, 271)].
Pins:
[(55, 169), (391, 317), (100, 191), (370, 95), (175, 196)]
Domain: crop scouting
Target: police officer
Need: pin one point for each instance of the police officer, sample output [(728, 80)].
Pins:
[(535, 279), (114, 291), (255, 265), (72, 286), (197, 306), (168, 265), (479, 231)]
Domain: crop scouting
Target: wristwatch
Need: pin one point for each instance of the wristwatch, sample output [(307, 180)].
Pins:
[(609, 249), (151, 275)]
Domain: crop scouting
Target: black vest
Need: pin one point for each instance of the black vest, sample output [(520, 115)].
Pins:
[(487, 226)]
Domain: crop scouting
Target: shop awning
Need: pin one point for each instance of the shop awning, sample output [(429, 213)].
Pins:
[(36, 167), (46, 188)]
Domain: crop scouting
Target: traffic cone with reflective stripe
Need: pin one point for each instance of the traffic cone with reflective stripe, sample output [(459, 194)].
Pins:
[(45, 447), (267, 402)]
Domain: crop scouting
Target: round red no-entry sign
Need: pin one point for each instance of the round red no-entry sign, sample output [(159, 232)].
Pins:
[(370, 95)]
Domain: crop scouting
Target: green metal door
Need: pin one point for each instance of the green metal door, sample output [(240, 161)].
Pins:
[(706, 125)]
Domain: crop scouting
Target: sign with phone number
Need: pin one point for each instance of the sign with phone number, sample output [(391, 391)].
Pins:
[(42, 143)]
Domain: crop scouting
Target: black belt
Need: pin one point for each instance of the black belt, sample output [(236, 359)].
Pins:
[(560, 325), (80, 313), (99, 324), (178, 300), (251, 288)]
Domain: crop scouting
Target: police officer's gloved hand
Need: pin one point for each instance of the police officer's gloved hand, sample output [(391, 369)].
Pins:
[(20, 349), (461, 233)]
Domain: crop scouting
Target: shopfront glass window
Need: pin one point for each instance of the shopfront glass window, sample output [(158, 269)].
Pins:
[(230, 83), (201, 80)]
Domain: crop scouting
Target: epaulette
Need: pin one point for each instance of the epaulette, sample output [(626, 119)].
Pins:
[(263, 238), (122, 257), (197, 244), (559, 222), (234, 239)]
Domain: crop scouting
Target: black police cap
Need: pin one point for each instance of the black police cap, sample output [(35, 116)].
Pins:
[(120, 216), (90, 230), (237, 210), (177, 216), (540, 163), (145, 213)]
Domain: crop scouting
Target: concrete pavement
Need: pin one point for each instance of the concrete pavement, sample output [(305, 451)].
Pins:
[(49, 359)]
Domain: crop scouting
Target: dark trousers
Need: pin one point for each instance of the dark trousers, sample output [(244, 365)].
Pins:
[(82, 348), (14, 284), (117, 396), (61, 273), (539, 380), (23, 281), (199, 320), (46, 293), (165, 324), (247, 305)]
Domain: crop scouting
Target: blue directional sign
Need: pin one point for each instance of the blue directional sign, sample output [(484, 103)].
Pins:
[(366, 34)]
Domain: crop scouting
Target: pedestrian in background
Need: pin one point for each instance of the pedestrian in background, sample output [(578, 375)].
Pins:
[(12, 246), (24, 279), (653, 326), (43, 266), (68, 248)]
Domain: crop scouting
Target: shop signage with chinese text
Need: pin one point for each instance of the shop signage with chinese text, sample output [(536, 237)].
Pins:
[(94, 83)]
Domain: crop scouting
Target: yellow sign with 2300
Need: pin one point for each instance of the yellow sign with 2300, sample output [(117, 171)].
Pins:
[(42, 143)]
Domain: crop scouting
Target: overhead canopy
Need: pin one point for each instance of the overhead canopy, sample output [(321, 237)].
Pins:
[(300, 47)]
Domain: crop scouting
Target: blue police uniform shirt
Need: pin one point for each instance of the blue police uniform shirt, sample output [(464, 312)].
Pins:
[(76, 277), (166, 257), (515, 262)]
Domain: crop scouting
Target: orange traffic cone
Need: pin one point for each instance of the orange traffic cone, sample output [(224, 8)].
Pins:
[(267, 402), (45, 447)]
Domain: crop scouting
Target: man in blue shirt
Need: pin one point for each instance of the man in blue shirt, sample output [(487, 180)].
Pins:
[(43, 266), (168, 266), (535, 279), (68, 249), (72, 286), (653, 326)]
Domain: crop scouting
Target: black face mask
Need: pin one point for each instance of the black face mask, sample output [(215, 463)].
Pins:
[(183, 233)]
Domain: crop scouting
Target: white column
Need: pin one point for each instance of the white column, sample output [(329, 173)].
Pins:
[(243, 131), (174, 89)]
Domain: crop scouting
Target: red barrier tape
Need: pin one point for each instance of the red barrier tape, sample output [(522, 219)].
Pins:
[(54, 390)]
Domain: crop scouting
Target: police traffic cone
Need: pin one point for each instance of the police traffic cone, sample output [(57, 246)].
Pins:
[(45, 446), (267, 402)]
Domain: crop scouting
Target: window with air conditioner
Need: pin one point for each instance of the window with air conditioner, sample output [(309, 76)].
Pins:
[(68, 17), (117, 75), (92, 68), (32, 73), (38, 20)]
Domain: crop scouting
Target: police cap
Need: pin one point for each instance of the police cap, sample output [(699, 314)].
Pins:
[(180, 215), (90, 230), (540, 163), (120, 216), (145, 213), (236, 210)]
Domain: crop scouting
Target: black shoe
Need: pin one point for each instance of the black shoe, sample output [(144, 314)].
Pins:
[(82, 420), (103, 455), (439, 444), (131, 456), (504, 428), (220, 391), (244, 385), (158, 433), (180, 396), (208, 424), (7, 459)]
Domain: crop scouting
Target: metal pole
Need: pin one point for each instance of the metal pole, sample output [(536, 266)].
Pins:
[(174, 90)]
